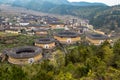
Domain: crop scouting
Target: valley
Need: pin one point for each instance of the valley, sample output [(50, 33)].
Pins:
[(59, 40)]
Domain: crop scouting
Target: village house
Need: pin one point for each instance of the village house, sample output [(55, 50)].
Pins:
[(24, 55), (30, 20), (41, 32), (2, 29), (45, 43), (31, 33), (96, 39), (57, 25), (99, 32), (13, 31), (48, 19), (24, 23), (36, 27), (67, 37), (81, 29)]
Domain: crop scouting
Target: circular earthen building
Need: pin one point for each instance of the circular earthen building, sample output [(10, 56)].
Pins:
[(24, 55), (67, 37), (45, 43)]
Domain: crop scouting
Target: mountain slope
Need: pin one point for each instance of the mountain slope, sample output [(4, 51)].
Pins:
[(83, 12), (28, 2), (81, 9), (57, 2), (108, 19), (61, 7), (87, 4)]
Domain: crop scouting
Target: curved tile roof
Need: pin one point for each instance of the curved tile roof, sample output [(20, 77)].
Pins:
[(97, 36), (44, 40), (67, 34), (23, 52)]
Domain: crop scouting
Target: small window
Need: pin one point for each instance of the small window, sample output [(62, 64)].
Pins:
[(46, 46), (31, 60), (68, 40), (101, 41)]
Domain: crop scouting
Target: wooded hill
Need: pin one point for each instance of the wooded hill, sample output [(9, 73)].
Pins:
[(107, 19)]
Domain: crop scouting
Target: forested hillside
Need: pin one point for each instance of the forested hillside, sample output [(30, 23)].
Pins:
[(62, 7), (108, 19), (82, 12)]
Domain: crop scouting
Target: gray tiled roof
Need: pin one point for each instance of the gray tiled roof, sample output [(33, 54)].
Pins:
[(23, 52), (44, 40), (97, 36), (67, 34)]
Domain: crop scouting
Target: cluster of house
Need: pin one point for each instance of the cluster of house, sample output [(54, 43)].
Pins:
[(70, 33), (31, 54), (29, 23)]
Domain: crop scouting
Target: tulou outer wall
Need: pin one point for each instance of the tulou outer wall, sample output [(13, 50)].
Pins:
[(46, 46), (9, 31), (24, 60), (96, 41), (65, 40)]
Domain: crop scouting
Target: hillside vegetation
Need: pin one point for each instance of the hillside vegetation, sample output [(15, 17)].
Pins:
[(62, 7), (109, 18)]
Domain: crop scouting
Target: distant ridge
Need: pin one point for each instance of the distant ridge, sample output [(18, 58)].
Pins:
[(56, 2), (87, 4), (62, 7)]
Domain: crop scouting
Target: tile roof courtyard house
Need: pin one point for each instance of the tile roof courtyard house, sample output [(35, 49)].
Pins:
[(24, 55), (67, 37), (45, 43), (96, 39)]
